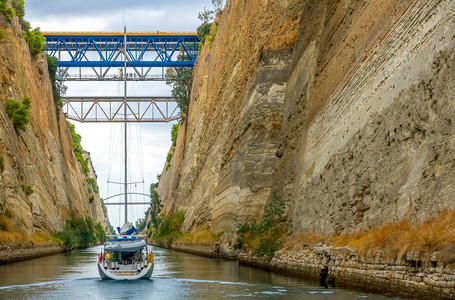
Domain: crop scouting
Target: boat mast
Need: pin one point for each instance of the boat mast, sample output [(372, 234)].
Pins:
[(125, 133)]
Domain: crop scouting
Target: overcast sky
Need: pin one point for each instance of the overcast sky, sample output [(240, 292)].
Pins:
[(110, 15)]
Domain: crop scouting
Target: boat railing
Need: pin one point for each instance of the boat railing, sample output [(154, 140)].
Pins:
[(126, 236)]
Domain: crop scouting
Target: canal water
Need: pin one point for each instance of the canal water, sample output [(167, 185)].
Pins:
[(176, 276)]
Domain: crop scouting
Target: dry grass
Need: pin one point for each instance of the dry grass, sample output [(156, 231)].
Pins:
[(15, 239), (251, 242), (295, 243), (205, 238), (393, 239), (282, 42), (4, 223), (386, 238)]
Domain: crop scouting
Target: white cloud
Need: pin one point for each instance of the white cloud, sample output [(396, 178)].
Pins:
[(76, 23)]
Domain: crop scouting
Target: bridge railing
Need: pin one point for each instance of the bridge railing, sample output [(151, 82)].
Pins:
[(112, 77)]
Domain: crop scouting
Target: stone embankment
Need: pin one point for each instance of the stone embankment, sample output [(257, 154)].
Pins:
[(8, 255), (414, 276)]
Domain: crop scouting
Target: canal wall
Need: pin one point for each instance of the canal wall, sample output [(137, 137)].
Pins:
[(415, 275), (342, 109), (8, 254)]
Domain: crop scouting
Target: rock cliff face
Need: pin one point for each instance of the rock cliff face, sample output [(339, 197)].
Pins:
[(344, 108), (42, 156)]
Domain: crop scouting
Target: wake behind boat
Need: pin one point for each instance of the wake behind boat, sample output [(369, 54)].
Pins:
[(126, 257)]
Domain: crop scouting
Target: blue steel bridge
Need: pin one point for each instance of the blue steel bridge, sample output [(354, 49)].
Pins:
[(101, 56), (93, 55)]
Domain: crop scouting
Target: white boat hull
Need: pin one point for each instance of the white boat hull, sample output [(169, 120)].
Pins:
[(125, 273)]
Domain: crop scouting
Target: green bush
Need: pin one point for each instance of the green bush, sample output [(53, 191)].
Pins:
[(19, 8), (2, 34), (181, 80), (35, 40), (268, 232), (92, 182), (100, 233), (77, 148), (169, 157), (58, 88), (78, 232), (8, 12), (155, 207), (142, 222), (169, 229), (91, 199), (174, 133), (210, 38), (203, 31), (28, 189), (68, 239), (18, 112)]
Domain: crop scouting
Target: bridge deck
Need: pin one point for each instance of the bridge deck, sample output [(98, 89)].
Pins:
[(150, 33)]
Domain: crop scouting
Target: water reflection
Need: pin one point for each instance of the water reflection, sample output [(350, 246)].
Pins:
[(176, 276)]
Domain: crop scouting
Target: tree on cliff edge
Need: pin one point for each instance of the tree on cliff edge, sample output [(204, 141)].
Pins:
[(207, 16), (180, 79)]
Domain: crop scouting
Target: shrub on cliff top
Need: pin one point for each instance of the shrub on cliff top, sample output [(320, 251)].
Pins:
[(8, 12), (203, 31), (207, 16), (19, 8), (18, 112), (35, 40)]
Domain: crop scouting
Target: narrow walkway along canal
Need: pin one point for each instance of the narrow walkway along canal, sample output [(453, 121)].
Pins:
[(176, 276)]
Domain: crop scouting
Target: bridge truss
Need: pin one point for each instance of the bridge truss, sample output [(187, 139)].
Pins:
[(103, 54), (111, 109)]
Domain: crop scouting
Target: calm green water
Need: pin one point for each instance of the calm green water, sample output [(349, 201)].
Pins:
[(176, 276)]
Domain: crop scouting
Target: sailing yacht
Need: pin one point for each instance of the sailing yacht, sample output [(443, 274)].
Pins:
[(126, 256)]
